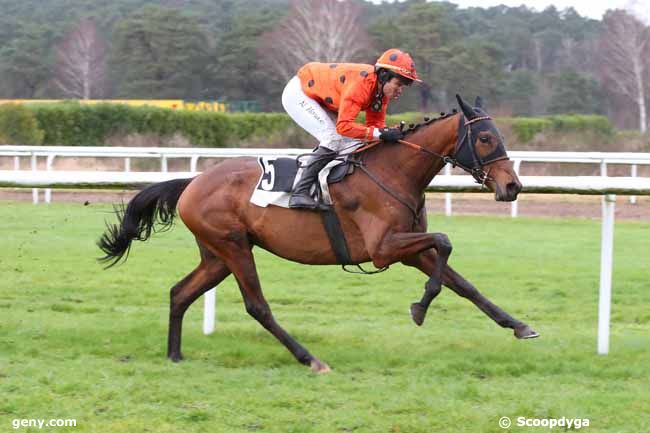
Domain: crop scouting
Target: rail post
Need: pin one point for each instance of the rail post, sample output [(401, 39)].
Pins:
[(193, 163), (447, 194), (48, 166), (34, 168), (633, 173), (514, 209), (209, 311), (606, 255)]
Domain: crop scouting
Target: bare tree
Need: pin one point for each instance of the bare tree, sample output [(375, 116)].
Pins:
[(315, 30), (640, 9), (81, 59), (625, 50)]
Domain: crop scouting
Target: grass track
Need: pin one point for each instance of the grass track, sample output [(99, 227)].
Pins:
[(79, 342)]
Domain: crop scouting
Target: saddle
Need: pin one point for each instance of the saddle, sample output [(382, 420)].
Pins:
[(276, 183), (279, 175)]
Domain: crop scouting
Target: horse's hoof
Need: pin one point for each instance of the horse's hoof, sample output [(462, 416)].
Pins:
[(319, 367), (175, 357), (417, 313), (525, 331)]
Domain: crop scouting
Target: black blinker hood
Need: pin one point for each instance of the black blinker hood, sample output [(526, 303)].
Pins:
[(465, 153)]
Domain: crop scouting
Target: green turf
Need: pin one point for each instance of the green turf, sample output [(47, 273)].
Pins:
[(80, 342)]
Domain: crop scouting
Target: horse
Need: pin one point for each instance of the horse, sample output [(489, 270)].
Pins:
[(380, 207)]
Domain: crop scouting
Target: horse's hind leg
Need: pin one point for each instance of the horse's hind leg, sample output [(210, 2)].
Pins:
[(464, 288), (238, 256), (210, 272)]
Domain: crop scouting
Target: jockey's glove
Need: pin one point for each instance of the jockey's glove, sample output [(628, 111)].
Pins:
[(391, 135)]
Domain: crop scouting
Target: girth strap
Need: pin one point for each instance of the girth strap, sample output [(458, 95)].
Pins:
[(336, 236)]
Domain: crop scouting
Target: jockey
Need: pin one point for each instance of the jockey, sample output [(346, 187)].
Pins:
[(325, 99)]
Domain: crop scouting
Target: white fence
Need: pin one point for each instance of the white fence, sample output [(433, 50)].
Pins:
[(604, 185), (49, 153)]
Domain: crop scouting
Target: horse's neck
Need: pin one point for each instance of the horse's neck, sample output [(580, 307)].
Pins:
[(415, 169)]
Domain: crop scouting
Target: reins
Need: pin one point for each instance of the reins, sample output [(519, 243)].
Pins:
[(477, 171), (381, 184), (395, 195)]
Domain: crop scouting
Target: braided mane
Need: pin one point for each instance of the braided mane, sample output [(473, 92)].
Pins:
[(414, 127)]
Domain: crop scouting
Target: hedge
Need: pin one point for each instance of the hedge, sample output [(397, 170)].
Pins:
[(525, 128), (19, 126), (74, 124)]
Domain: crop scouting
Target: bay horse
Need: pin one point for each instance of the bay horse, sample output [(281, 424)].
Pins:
[(380, 207)]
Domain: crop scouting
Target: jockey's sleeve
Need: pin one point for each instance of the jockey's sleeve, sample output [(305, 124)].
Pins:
[(351, 104)]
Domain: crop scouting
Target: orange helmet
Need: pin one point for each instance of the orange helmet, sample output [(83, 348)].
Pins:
[(398, 62)]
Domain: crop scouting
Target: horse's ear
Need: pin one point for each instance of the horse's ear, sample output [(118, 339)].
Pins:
[(464, 106), (479, 102)]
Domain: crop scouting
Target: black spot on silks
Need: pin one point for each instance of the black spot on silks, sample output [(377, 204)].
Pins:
[(311, 83), (329, 100)]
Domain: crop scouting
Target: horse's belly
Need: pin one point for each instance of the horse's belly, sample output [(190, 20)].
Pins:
[(300, 236)]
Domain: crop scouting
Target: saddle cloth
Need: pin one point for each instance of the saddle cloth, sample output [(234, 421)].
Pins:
[(278, 177)]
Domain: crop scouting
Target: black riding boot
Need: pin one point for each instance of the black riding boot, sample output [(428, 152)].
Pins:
[(300, 197)]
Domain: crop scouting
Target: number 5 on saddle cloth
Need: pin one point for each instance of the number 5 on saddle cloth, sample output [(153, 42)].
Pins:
[(279, 176)]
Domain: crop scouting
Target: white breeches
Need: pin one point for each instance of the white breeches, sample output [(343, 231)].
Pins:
[(315, 119)]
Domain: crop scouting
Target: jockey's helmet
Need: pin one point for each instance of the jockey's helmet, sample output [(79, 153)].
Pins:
[(398, 62)]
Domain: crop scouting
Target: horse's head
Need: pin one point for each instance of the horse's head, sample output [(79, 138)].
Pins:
[(480, 151)]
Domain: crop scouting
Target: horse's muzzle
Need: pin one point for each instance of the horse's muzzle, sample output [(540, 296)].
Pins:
[(510, 192)]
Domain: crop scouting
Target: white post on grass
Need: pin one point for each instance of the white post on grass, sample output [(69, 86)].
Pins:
[(209, 311), (210, 297), (48, 167), (514, 209), (603, 173), (606, 255), (34, 168), (448, 194), (193, 163), (633, 173)]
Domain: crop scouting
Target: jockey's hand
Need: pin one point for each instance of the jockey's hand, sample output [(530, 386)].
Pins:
[(391, 135)]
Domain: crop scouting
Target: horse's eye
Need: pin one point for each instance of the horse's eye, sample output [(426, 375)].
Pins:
[(484, 139)]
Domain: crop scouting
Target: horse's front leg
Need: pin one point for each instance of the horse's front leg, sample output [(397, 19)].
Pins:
[(405, 246), (395, 246), (428, 263), (464, 288)]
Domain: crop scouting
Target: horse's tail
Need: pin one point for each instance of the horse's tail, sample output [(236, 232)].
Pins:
[(154, 204)]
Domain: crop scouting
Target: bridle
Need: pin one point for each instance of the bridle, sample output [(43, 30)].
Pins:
[(465, 155)]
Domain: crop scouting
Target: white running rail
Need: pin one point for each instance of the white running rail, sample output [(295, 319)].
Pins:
[(49, 153)]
